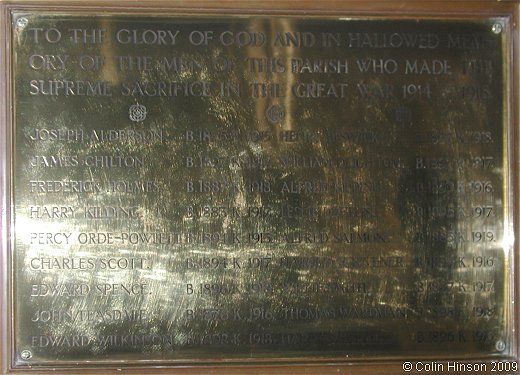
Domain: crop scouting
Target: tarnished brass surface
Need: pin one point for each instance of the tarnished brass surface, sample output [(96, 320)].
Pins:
[(251, 188)]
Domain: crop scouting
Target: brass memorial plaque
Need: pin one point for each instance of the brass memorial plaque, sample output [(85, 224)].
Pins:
[(199, 189)]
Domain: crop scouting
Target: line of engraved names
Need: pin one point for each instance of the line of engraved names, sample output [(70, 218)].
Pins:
[(260, 289), (352, 134), (265, 262), (352, 237), (219, 338), (284, 161), (261, 313)]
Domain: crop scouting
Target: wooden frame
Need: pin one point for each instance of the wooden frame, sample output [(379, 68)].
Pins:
[(395, 9)]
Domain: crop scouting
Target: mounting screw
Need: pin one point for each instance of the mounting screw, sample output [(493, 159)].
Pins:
[(22, 22), (497, 28), (26, 354), (500, 346)]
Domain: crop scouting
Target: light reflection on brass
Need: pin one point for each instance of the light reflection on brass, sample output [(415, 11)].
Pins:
[(342, 194)]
